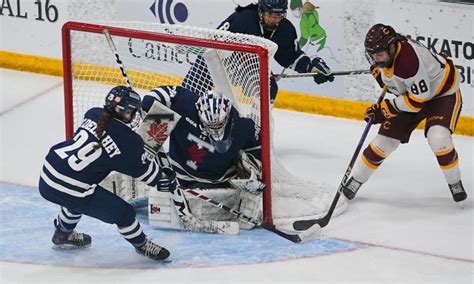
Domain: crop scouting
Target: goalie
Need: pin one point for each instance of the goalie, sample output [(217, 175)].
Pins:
[(213, 150)]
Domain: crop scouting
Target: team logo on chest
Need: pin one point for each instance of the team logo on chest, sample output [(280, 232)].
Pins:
[(197, 154)]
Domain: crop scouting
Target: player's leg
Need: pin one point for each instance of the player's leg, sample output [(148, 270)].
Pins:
[(392, 132), (64, 234), (372, 157), (111, 209), (441, 122)]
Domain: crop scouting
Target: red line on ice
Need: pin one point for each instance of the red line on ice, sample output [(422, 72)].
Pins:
[(30, 99)]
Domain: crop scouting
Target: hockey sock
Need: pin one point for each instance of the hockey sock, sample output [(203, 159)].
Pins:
[(441, 143), (373, 156), (133, 234), (68, 219)]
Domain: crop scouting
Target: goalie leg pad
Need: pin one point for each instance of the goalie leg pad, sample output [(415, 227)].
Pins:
[(162, 212), (165, 212), (250, 205), (127, 188), (206, 211)]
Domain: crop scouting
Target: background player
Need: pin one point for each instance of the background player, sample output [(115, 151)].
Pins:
[(426, 85), (73, 168), (267, 19)]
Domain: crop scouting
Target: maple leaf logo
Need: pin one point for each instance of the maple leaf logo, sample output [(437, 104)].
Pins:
[(158, 132), (196, 153)]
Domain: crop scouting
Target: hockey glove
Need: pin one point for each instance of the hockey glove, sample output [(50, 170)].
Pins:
[(249, 171), (167, 182), (252, 184), (380, 111), (318, 65)]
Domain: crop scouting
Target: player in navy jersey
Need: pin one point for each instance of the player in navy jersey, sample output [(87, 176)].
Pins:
[(267, 19), (104, 142), (207, 142)]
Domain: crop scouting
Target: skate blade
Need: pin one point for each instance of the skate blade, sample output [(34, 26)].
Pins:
[(68, 247), (461, 204)]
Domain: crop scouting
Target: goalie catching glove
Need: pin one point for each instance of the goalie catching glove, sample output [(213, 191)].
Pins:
[(249, 171), (318, 65)]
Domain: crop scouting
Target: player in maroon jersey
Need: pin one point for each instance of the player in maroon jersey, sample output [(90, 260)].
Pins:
[(426, 86)]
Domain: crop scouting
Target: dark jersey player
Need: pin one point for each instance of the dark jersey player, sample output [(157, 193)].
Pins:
[(267, 19), (72, 170), (207, 141)]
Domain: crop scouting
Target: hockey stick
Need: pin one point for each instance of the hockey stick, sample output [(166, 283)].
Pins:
[(117, 57), (296, 238), (323, 222), (336, 73)]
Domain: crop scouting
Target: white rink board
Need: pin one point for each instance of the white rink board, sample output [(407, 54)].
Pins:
[(345, 23)]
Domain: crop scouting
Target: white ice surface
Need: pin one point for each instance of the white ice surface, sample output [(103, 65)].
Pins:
[(413, 231)]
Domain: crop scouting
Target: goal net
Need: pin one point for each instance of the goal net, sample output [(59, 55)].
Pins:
[(198, 59)]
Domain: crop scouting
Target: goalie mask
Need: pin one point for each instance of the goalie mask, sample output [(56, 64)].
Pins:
[(214, 112), (123, 103)]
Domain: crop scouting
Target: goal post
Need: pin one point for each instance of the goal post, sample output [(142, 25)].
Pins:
[(159, 54)]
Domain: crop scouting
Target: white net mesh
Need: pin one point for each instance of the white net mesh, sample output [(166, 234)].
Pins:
[(156, 62)]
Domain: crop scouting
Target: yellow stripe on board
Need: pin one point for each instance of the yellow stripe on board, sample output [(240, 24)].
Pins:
[(285, 100), (30, 63)]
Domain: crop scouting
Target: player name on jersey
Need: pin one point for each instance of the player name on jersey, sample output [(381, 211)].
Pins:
[(109, 145)]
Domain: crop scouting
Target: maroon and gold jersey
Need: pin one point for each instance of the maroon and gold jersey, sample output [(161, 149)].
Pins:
[(417, 76)]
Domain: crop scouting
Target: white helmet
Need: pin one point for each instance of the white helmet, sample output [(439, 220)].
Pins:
[(214, 112)]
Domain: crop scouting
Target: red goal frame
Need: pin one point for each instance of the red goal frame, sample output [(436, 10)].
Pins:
[(261, 52)]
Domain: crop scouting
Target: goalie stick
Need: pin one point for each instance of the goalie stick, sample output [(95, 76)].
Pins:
[(117, 57), (335, 73), (323, 222), (296, 238)]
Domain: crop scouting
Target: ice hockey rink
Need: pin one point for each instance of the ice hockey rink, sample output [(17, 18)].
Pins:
[(403, 227)]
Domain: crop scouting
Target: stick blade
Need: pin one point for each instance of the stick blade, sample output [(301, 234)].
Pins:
[(313, 232), (295, 238), (303, 225)]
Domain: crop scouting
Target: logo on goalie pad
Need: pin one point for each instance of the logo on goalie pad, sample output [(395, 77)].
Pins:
[(158, 132), (154, 209)]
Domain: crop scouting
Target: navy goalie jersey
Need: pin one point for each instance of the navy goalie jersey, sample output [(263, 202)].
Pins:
[(191, 152), (75, 167)]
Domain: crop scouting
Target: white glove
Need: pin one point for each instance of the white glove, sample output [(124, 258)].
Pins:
[(252, 169), (252, 184)]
